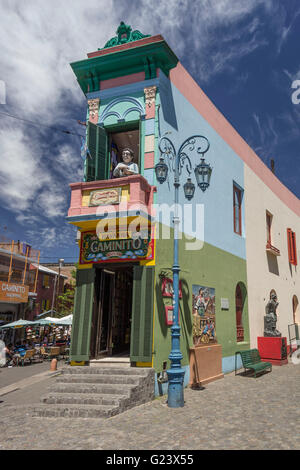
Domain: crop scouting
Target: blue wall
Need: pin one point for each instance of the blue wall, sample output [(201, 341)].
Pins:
[(181, 120)]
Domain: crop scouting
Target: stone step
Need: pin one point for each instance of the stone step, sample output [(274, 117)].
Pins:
[(99, 378), (103, 369), (114, 389), (96, 392), (82, 399), (75, 411)]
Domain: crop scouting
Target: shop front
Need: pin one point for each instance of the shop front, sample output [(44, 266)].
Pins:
[(13, 299), (116, 261)]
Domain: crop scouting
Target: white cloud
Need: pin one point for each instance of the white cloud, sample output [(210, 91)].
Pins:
[(39, 39), (20, 174)]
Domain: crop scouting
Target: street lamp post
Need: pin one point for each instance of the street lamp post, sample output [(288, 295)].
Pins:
[(60, 265), (176, 161)]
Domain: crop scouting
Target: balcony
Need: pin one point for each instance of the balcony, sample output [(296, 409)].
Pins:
[(114, 198), (271, 249)]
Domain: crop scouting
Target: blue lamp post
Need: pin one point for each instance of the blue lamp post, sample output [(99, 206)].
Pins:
[(175, 162)]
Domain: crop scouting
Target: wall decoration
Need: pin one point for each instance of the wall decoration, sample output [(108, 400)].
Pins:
[(169, 314), (102, 197), (204, 317), (167, 288), (224, 304)]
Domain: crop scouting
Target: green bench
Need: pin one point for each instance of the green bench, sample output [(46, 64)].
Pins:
[(252, 360)]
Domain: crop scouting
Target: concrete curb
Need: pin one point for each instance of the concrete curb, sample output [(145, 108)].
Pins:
[(27, 382)]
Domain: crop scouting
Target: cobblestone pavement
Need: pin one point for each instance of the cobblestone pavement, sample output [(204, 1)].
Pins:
[(236, 412)]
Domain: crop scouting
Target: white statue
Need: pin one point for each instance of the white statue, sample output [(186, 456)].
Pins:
[(128, 167)]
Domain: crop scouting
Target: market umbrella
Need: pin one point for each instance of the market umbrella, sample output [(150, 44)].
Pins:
[(51, 321), (43, 322), (18, 324), (66, 320)]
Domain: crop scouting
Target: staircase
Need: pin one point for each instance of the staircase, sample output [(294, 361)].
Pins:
[(97, 391)]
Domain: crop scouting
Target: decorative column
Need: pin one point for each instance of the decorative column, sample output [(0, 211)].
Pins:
[(150, 94), (149, 162), (94, 105)]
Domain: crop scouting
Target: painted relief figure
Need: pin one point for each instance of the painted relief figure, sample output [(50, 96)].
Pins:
[(128, 167), (204, 329)]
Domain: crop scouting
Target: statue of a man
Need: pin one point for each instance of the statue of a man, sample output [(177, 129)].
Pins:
[(128, 167), (271, 317)]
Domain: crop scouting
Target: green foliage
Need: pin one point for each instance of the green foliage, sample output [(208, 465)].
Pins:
[(66, 301)]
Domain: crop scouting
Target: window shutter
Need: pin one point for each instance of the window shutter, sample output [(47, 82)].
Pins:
[(292, 250), (294, 247), (97, 162), (90, 162), (82, 317), (102, 156), (289, 244), (142, 314)]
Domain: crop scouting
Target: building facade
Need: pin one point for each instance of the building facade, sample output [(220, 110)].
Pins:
[(27, 288), (138, 94), (17, 280)]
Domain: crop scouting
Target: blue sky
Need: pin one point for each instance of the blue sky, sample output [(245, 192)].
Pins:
[(244, 55)]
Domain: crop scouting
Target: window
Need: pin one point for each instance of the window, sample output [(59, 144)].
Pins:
[(269, 225), (269, 247), (45, 305), (237, 210), (45, 280), (105, 149), (292, 250)]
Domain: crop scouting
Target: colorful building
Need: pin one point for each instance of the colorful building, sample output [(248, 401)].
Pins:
[(138, 93), (27, 288)]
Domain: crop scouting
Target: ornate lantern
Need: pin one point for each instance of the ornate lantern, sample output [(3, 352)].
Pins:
[(161, 171), (189, 189), (203, 173)]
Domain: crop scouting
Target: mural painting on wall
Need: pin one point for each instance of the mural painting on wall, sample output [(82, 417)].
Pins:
[(204, 317)]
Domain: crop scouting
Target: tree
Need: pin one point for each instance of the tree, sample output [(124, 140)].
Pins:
[(66, 299)]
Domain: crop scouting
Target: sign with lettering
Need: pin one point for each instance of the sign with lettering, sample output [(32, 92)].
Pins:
[(102, 197), (224, 304), (93, 250), (13, 293)]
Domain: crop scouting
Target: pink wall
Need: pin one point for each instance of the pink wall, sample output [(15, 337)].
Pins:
[(193, 93), (119, 81), (141, 193), (128, 45)]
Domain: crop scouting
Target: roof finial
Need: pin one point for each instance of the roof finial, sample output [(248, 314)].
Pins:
[(124, 35)]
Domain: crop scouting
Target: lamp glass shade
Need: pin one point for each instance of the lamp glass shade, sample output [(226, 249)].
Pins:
[(161, 171), (203, 174), (189, 189)]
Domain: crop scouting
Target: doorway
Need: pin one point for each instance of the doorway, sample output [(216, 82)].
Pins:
[(111, 320)]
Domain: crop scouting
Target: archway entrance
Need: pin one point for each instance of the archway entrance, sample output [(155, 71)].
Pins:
[(240, 296)]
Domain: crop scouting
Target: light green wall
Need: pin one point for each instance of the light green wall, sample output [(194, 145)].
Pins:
[(210, 267)]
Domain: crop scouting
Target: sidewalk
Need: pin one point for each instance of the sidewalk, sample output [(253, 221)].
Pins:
[(236, 412), (10, 376)]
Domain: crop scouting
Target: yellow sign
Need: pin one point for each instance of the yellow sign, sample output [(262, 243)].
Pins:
[(13, 293)]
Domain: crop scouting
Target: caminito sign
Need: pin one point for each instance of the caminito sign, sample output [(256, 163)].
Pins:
[(14, 293), (94, 250)]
